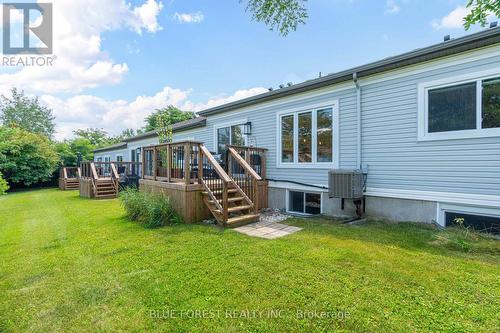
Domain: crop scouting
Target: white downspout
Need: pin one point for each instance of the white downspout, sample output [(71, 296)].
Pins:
[(358, 120)]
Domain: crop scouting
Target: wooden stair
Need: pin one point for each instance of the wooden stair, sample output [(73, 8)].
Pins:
[(225, 198), (69, 178), (72, 184), (240, 212), (105, 189)]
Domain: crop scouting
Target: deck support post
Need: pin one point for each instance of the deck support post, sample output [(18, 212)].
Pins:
[(143, 157), (187, 164), (155, 163), (169, 164), (200, 165)]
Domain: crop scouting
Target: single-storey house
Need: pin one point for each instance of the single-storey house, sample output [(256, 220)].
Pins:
[(423, 125)]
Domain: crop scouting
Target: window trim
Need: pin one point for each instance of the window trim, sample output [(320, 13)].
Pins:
[(334, 105), (118, 155), (287, 201), (227, 124), (423, 106), (443, 208)]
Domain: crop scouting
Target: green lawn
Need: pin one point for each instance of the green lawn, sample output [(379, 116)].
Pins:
[(72, 264)]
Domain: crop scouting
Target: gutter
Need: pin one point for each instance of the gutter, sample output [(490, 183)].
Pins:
[(358, 119), (455, 46)]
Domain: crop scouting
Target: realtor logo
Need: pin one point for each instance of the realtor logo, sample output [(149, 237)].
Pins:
[(35, 18)]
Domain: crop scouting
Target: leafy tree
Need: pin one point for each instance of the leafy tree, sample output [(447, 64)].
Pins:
[(168, 116), (125, 134), (4, 186), (26, 113), (26, 158), (96, 136), (480, 9), (281, 15), (68, 151)]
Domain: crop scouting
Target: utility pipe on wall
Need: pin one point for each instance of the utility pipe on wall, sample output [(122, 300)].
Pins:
[(358, 119)]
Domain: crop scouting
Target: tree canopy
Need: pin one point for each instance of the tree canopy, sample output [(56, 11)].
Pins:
[(26, 158), (26, 113), (480, 10), (281, 15), (168, 116)]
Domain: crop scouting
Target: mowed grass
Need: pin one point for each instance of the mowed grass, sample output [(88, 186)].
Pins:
[(72, 264)]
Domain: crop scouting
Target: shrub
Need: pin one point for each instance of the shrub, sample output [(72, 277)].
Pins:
[(26, 158), (149, 209), (4, 186)]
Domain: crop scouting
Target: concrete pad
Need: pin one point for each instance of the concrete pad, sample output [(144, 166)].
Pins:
[(267, 230)]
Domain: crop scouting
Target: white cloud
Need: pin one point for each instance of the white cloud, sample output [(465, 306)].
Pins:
[(392, 7), (454, 20), (81, 63), (83, 111), (147, 15), (219, 100), (189, 18)]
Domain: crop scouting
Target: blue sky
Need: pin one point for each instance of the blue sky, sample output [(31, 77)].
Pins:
[(199, 53), (227, 51)]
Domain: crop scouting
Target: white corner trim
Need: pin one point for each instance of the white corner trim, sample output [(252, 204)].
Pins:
[(422, 108), (442, 197)]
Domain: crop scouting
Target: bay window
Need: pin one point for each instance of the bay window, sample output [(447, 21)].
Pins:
[(306, 137), (457, 109)]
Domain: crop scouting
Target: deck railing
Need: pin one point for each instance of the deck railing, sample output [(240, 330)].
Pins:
[(172, 162), (69, 172), (190, 162), (255, 157), (244, 175)]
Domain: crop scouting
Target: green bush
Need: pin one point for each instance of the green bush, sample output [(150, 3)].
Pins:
[(149, 209), (26, 158), (4, 186)]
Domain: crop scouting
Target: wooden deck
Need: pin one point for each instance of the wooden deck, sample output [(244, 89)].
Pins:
[(69, 178), (102, 180), (232, 191)]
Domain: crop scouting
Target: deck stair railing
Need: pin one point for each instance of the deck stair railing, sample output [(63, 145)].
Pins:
[(104, 178), (243, 174), (228, 194), (69, 178)]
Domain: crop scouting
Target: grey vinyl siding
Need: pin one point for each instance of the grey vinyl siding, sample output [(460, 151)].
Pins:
[(264, 122), (396, 160), (390, 149)]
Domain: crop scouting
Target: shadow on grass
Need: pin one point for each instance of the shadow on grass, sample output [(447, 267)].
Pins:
[(406, 235)]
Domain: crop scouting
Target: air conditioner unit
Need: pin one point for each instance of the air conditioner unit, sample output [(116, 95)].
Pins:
[(345, 184)]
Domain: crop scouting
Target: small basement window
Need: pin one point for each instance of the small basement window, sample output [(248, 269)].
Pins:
[(481, 223), (304, 202)]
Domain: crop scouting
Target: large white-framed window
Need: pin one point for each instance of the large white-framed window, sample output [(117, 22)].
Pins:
[(309, 137), (461, 107), (229, 133)]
